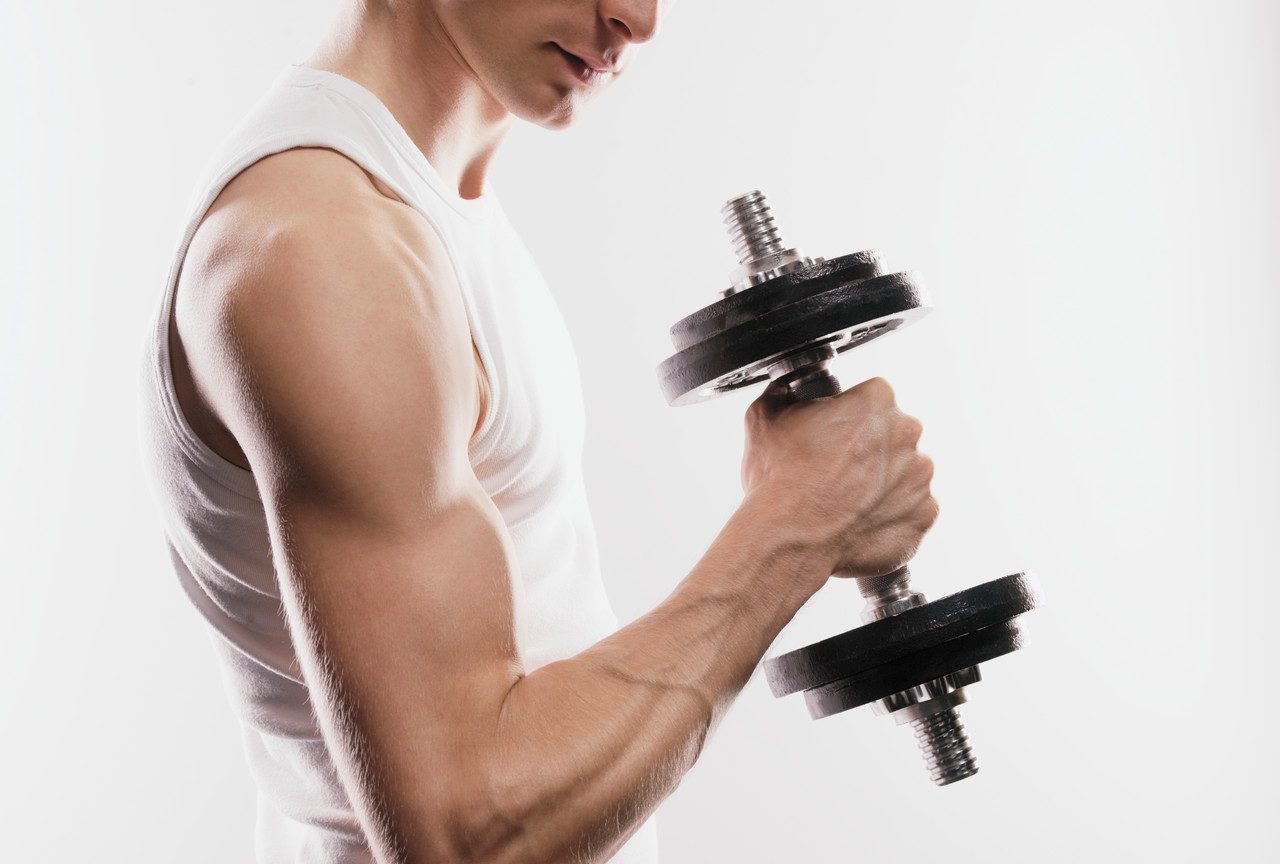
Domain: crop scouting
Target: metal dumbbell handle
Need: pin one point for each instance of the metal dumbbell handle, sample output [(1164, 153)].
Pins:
[(880, 592), (944, 744), (812, 384), (762, 254)]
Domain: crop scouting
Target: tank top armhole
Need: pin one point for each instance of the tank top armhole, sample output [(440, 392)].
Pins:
[(228, 474)]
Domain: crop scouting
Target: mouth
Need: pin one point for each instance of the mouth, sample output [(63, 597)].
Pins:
[(588, 70)]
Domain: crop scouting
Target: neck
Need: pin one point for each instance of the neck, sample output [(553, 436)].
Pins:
[(402, 54)]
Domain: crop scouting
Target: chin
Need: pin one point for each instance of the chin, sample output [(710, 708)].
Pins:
[(562, 117), (558, 111)]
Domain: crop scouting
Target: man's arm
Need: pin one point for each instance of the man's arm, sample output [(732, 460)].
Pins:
[(336, 350)]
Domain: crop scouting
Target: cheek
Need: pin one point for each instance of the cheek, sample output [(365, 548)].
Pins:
[(503, 43), (507, 28), (510, 54), (479, 29)]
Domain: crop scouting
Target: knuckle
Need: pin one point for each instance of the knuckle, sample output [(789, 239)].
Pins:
[(929, 511), (878, 390), (912, 428), (883, 389), (925, 467)]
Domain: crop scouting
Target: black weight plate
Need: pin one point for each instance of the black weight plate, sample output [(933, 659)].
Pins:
[(760, 299), (844, 315), (952, 656), (855, 651)]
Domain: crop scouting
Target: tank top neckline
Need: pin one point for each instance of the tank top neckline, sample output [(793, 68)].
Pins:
[(376, 110)]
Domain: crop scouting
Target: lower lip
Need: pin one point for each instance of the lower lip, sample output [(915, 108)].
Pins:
[(582, 72)]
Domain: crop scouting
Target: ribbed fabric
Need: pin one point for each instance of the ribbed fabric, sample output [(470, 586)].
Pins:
[(527, 455)]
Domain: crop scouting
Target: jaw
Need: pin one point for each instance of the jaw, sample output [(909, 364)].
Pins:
[(539, 92), (554, 107)]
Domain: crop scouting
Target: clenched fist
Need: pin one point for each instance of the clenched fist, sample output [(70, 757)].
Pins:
[(843, 476)]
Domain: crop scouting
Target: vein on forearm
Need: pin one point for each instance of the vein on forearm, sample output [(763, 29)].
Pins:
[(605, 735)]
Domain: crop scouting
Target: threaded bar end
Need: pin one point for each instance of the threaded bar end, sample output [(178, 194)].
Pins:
[(752, 230), (945, 746)]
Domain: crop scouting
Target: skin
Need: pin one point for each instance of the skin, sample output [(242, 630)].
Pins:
[(320, 341)]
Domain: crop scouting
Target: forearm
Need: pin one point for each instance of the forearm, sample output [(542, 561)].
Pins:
[(587, 747)]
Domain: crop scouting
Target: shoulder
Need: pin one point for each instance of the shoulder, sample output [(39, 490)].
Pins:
[(314, 223), (308, 284), (306, 237)]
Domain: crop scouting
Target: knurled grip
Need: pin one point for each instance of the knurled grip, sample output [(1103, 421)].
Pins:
[(813, 384)]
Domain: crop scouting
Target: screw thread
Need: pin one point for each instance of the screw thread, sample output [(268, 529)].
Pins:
[(945, 746), (752, 230)]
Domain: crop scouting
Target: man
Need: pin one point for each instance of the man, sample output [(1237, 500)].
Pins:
[(364, 424)]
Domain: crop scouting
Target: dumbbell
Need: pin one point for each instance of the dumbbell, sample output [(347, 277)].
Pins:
[(784, 317)]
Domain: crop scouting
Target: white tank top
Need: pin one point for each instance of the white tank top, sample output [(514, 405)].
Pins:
[(527, 455)]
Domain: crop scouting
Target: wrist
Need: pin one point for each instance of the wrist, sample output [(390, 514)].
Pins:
[(788, 561)]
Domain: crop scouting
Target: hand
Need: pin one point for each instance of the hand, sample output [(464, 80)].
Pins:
[(843, 476)]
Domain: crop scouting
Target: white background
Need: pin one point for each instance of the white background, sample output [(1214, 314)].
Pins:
[(1092, 191)]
